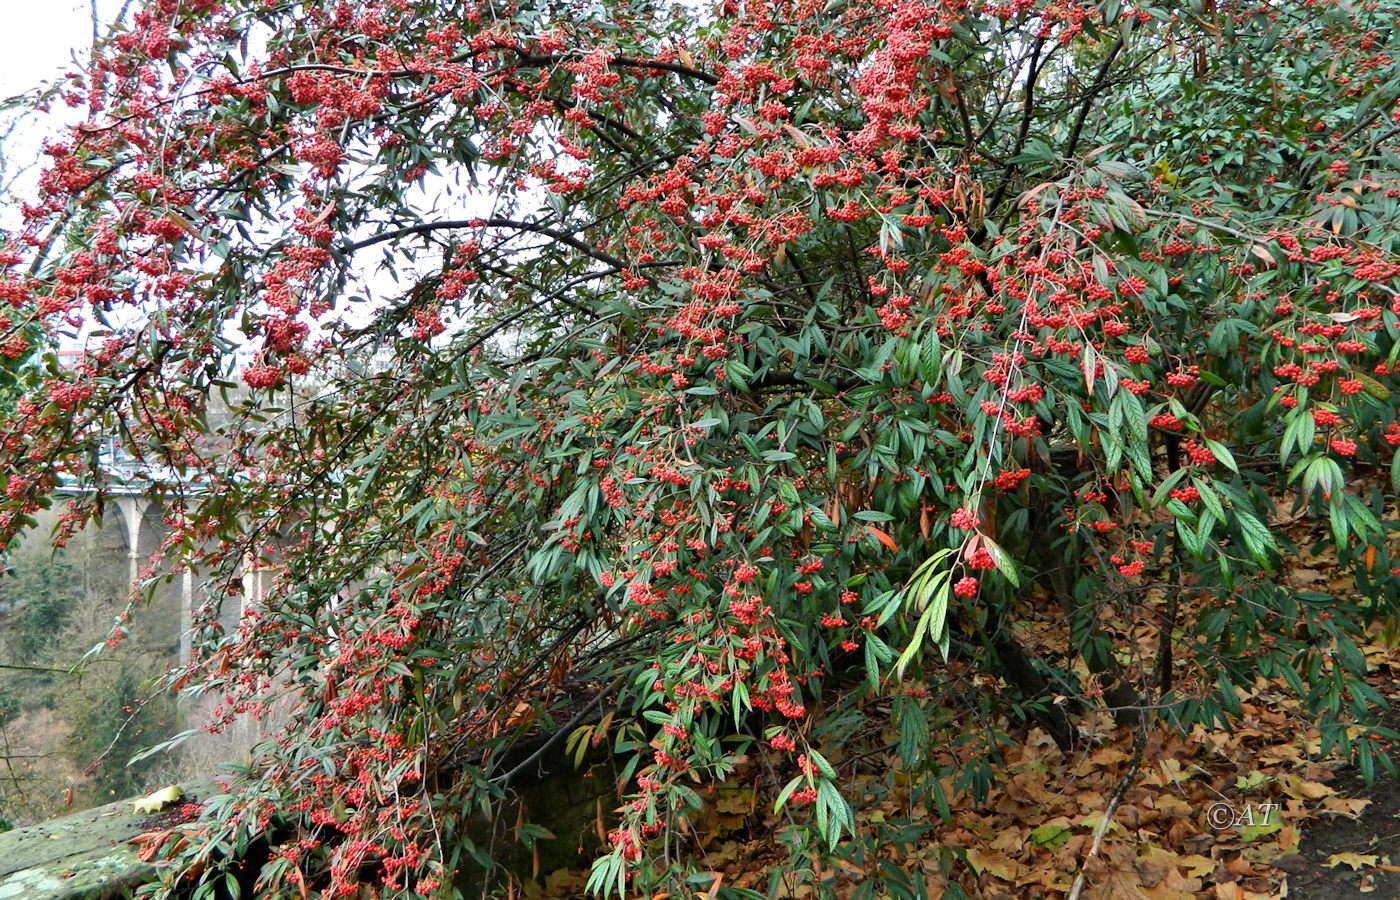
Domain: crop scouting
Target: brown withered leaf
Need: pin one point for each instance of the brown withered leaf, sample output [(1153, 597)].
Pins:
[(1350, 807), (1357, 861), (998, 865)]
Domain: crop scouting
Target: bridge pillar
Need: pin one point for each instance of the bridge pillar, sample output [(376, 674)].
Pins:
[(186, 616), (133, 511), (254, 586)]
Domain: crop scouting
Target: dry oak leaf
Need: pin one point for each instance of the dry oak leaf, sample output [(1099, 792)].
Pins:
[(1350, 807), (1174, 887), (1240, 866), (1197, 866), (998, 865), (1118, 883), (1173, 807), (1030, 786), (1094, 819), (1155, 863), (1108, 756), (1168, 771), (1263, 854), (1299, 789), (735, 800), (1009, 840)]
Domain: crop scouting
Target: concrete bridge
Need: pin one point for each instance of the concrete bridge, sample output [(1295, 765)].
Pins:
[(141, 492)]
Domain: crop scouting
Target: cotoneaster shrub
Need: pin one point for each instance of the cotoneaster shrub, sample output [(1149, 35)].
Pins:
[(737, 367)]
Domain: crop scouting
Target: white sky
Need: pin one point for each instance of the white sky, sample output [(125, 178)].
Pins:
[(37, 45), (39, 37)]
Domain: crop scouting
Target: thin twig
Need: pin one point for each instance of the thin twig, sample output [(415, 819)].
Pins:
[(1123, 784), (560, 733), (18, 668)]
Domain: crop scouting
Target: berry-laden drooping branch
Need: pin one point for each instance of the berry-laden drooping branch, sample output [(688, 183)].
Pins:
[(726, 371)]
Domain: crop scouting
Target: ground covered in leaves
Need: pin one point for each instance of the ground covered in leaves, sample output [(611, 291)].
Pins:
[(1256, 812)]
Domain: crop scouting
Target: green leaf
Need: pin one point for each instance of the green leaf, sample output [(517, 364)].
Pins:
[(1137, 439), (940, 797), (834, 813), (786, 792), (1005, 564), (872, 665), (1266, 824), (1257, 537), (1222, 455), (930, 359), (1194, 539), (822, 765), (1209, 498), (1051, 837), (1168, 485), (930, 624), (1250, 781)]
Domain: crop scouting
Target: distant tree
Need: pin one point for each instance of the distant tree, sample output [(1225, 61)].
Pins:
[(120, 723), (753, 370), (10, 705), (61, 714), (41, 595)]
